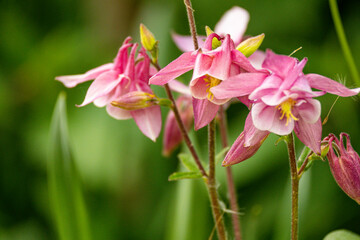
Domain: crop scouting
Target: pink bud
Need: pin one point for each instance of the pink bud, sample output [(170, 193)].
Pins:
[(172, 135), (345, 165), (135, 100)]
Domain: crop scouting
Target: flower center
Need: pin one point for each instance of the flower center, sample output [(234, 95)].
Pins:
[(285, 109), (211, 82)]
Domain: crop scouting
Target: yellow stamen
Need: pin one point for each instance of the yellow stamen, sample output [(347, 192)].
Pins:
[(285, 109), (211, 82)]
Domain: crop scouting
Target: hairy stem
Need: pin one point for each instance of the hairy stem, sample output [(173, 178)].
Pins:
[(191, 19), (294, 187), (211, 184), (235, 218), (343, 42)]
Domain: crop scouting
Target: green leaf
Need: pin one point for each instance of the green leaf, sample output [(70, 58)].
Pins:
[(220, 155), (188, 162), (342, 235), (184, 175), (64, 184)]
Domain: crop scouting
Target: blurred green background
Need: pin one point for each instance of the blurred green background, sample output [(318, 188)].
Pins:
[(123, 175)]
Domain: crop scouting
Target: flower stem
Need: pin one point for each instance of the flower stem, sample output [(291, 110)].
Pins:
[(211, 184), (294, 187), (230, 180), (191, 19), (343, 41), (184, 132)]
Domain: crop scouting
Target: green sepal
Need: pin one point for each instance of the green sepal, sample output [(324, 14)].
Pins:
[(184, 175), (250, 45)]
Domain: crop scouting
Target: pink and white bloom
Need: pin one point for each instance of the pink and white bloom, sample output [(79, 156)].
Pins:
[(282, 100), (211, 68), (113, 80), (234, 22)]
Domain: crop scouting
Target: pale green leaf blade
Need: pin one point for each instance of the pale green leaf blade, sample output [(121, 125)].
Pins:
[(184, 175), (188, 162), (64, 186)]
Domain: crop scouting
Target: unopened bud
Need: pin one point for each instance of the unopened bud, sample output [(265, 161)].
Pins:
[(148, 41), (135, 100), (250, 45), (345, 165)]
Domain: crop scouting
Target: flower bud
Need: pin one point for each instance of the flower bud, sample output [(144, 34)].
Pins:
[(172, 134), (149, 42), (135, 100), (345, 165), (250, 45)]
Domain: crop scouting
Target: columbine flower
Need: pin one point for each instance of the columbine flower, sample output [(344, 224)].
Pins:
[(282, 101), (234, 22), (113, 80), (211, 68), (345, 165)]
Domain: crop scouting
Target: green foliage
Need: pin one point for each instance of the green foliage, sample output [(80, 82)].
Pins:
[(64, 185), (342, 235)]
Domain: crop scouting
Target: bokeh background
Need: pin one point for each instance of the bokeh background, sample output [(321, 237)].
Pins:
[(123, 174)]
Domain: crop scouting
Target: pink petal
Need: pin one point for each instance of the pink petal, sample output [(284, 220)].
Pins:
[(242, 61), (118, 113), (242, 148), (73, 80), (293, 75), (142, 68), (280, 126), (268, 87), (121, 58), (172, 135), (330, 86), (238, 85), (310, 110), (174, 69), (309, 134), (198, 88), (257, 58), (185, 43), (220, 66), (204, 112), (279, 64), (179, 87), (101, 86), (233, 22), (202, 64), (149, 121), (263, 116)]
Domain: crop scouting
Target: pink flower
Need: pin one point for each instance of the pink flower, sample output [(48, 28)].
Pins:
[(113, 80), (211, 68), (282, 101), (344, 165), (234, 22)]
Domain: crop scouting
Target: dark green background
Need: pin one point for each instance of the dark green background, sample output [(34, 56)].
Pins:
[(123, 173)]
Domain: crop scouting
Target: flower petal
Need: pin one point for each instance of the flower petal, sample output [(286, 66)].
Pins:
[(204, 112), (185, 43), (257, 58), (238, 85), (101, 86), (220, 65), (181, 65), (279, 64), (233, 22), (118, 113), (246, 145), (309, 134), (179, 87), (326, 84), (263, 116), (310, 110), (73, 80), (149, 121)]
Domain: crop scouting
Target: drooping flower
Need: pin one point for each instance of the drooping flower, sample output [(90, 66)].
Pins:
[(345, 165), (211, 68), (113, 80), (234, 22), (282, 100)]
